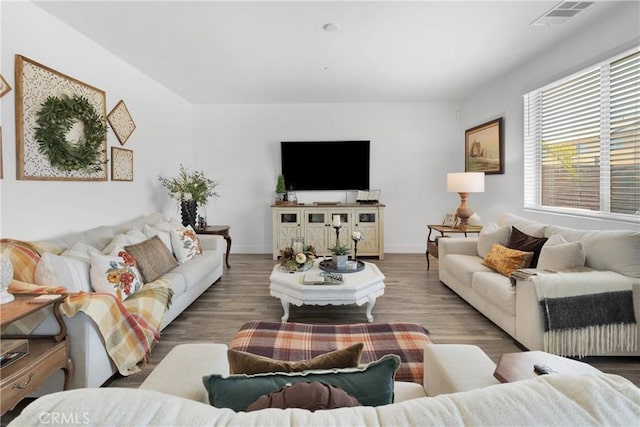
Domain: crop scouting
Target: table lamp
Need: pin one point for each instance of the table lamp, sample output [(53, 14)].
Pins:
[(464, 183)]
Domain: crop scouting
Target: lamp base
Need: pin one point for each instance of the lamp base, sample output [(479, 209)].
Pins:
[(464, 211), (6, 297)]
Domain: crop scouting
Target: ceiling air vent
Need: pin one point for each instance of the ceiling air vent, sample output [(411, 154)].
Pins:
[(561, 12)]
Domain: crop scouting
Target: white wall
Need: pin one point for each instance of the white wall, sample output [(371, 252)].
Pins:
[(413, 146), (503, 97), (40, 209)]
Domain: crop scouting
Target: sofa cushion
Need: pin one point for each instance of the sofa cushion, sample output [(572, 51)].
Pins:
[(153, 259), (463, 267), (241, 362), (558, 254), (526, 243), (371, 384), (197, 268), (178, 284), (616, 250), (312, 396), (185, 243), (116, 275), (491, 234), (70, 273), (496, 288), (81, 251), (505, 260), (532, 228)]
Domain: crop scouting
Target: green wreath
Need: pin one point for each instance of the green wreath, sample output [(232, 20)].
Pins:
[(55, 119)]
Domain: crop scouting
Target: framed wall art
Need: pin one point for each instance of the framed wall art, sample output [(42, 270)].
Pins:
[(121, 122), (4, 87), (484, 148), (121, 164), (75, 151)]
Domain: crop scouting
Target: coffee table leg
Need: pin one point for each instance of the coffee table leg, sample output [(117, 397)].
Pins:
[(285, 307), (370, 304)]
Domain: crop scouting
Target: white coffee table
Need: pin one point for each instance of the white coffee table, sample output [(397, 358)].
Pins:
[(357, 288)]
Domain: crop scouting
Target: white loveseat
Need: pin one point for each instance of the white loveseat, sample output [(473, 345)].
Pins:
[(516, 307), (92, 365), (175, 397)]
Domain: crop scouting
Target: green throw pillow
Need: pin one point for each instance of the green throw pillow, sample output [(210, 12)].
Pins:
[(371, 385)]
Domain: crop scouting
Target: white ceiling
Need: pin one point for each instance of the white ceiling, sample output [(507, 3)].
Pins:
[(277, 52)]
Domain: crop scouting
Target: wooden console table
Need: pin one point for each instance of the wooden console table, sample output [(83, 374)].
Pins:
[(220, 230), (47, 353), (432, 245)]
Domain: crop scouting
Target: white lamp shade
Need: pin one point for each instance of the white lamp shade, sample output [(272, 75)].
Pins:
[(465, 182)]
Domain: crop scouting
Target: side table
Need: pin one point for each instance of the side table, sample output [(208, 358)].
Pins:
[(519, 366), (220, 230), (46, 353), (432, 245)]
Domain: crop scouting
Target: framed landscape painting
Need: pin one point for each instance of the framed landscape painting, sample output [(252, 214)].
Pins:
[(484, 148)]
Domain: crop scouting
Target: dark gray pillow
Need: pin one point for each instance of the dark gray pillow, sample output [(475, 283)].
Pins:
[(312, 395), (371, 385), (153, 259)]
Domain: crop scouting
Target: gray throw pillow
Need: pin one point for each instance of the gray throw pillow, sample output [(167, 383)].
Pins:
[(153, 259)]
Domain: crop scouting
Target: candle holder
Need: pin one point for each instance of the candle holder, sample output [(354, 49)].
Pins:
[(355, 249), (337, 227)]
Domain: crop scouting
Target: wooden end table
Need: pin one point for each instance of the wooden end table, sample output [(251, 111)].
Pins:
[(519, 366), (47, 353), (219, 230), (432, 245)]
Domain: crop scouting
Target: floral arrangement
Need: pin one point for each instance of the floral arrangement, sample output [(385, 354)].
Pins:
[(298, 261), (189, 186)]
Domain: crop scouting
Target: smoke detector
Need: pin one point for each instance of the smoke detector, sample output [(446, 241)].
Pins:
[(331, 27), (561, 12)]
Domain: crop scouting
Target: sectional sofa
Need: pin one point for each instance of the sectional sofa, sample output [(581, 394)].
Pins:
[(188, 280), (603, 258)]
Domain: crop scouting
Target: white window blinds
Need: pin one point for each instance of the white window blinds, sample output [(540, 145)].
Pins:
[(582, 141)]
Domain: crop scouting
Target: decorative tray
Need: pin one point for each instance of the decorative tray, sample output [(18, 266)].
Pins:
[(326, 266)]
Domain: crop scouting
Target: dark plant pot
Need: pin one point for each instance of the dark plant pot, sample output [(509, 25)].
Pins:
[(189, 211)]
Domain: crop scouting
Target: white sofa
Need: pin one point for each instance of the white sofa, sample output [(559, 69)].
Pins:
[(92, 365), (516, 308), (172, 395)]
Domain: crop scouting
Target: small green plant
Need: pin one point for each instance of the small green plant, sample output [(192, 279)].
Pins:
[(339, 249), (280, 187)]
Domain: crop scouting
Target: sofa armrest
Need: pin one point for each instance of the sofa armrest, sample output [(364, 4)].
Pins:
[(212, 242), (458, 245)]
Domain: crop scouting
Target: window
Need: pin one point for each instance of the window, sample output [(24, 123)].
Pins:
[(582, 142)]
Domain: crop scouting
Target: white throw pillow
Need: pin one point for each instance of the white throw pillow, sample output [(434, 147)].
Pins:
[(557, 254), (163, 235), (116, 275), (186, 244), (132, 237), (68, 272), (81, 251), (491, 235)]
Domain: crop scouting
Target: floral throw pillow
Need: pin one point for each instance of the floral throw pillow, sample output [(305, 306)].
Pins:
[(116, 275), (186, 244)]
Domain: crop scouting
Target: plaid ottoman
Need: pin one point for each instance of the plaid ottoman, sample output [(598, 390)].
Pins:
[(299, 341)]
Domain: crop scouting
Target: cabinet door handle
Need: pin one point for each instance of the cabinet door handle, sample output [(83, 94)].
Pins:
[(25, 385)]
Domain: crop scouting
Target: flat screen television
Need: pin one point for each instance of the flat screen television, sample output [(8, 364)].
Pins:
[(325, 165)]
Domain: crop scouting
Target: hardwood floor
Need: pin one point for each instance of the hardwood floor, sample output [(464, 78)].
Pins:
[(412, 294)]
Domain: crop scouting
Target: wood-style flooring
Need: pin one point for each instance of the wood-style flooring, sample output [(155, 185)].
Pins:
[(412, 294)]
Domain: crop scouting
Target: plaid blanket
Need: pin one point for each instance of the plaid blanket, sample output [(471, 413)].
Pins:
[(130, 327), (298, 341)]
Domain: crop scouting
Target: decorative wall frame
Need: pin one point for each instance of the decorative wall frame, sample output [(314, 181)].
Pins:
[(4, 87), (121, 164), (34, 84), (484, 148), (121, 122)]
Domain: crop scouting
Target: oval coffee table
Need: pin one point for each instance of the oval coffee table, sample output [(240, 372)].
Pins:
[(357, 288)]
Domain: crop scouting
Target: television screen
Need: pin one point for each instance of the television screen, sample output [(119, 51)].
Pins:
[(325, 165)]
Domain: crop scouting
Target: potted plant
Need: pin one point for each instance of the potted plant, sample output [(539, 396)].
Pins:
[(339, 255), (190, 189), (281, 190)]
